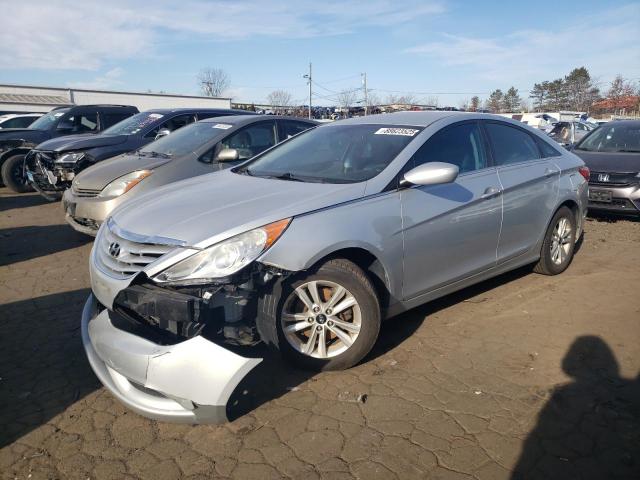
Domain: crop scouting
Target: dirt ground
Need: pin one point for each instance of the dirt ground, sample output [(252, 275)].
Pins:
[(524, 376)]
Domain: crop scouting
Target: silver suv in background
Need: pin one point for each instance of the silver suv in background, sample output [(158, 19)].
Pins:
[(310, 245), (203, 147)]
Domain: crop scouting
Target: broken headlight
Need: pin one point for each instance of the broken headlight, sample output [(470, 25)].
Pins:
[(72, 157), (224, 258)]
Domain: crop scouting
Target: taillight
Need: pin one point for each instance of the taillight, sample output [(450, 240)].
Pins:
[(584, 171)]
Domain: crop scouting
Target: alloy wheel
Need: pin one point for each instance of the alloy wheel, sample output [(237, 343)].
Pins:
[(321, 319), (561, 241)]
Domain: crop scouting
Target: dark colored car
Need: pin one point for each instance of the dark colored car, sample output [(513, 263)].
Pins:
[(612, 153), (52, 165), (15, 143)]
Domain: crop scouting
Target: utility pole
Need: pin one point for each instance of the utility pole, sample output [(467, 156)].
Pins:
[(308, 76), (366, 100)]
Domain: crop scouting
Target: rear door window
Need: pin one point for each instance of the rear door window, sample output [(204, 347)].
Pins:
[(511, 144)]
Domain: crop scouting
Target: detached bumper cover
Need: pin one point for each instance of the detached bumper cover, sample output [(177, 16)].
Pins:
[(189, 382)]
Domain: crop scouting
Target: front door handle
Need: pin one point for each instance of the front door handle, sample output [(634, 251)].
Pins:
[(491, 192)]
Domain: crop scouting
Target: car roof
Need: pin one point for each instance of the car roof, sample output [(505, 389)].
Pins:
[(243, 119), (196, 110), (419, 119), (633, 123)]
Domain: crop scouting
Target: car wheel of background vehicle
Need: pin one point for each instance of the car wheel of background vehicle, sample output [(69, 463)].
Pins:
[(12, 174), (559, 244), (328, 319)]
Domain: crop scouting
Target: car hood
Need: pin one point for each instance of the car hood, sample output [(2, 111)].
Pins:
[(206, 209), (28, 134), (102, 173), (81, 142), (610, 161)]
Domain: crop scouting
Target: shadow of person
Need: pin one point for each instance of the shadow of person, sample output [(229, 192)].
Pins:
[(589, 428)]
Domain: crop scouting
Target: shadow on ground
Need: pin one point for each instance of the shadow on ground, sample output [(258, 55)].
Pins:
[(273, 378), (41, 240), (17, 200), (590, 427), (43, 366)]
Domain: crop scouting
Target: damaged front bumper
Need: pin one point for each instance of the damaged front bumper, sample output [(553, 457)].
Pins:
[(45, 176), (186, 382)]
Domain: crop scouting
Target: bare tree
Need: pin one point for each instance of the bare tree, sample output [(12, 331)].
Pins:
[(213, 81), (432, 101), (279, 101), (347, 98), (406, 99)]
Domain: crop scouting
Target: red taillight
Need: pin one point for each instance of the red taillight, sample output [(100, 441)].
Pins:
[(584, 171)]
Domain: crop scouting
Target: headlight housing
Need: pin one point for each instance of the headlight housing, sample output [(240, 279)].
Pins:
[(125, 183), (71, 157), (224, 258)]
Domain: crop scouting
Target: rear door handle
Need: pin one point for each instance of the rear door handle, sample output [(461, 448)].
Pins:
[(491, 192), (550, 172)]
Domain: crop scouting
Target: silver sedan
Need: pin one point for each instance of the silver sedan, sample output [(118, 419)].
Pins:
[(310, 245)]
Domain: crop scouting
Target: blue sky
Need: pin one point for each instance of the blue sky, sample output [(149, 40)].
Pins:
[(442, 48)]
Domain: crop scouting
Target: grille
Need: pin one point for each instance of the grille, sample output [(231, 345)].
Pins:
[(84, 192), (613, 179), (123, 258)]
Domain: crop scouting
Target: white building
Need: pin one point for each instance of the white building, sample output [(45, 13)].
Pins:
[(27, 98)]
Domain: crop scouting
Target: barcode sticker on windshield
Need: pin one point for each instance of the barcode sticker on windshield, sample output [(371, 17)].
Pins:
[(407, 132), (223, 126)]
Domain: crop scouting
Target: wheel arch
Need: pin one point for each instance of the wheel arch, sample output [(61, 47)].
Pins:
[(368, 261)]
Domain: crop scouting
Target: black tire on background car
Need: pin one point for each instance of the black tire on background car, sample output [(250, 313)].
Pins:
[(559, 243), (12, 175), (325, 319)]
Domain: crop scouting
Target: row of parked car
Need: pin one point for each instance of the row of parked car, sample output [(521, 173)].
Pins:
[(238, 229), (136, 148)]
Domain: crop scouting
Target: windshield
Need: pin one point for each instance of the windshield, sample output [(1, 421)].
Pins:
[(186, 139), (46, 121), (133, 124), (334, 154), (614, 137)]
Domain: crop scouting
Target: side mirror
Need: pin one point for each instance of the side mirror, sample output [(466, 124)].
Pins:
[(432, 173), (228, 155), (163, 132)]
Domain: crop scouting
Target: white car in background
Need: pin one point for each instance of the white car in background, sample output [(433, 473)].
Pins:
[(18, 120)]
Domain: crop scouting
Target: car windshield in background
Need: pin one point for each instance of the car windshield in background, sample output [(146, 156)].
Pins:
[(185, 140), (46, 121), (612, 138), (334, 154), (133, 124)]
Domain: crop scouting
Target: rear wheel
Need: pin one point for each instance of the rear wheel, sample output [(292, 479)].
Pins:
[(325, 320), (12, 174), (559, 243)]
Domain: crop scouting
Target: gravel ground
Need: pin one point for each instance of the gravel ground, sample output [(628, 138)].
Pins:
[(524, 376)]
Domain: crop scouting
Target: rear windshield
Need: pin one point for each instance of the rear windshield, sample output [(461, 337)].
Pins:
[(613, 137), (186, 139), (334, 153), (46, 121), (133, 124)]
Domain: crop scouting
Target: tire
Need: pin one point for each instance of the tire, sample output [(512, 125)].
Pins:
[(357, 325), (12, 174), (554, 257)]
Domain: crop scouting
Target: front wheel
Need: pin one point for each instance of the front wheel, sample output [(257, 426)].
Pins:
[(12, 174), (325, 320), (559, 243)]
